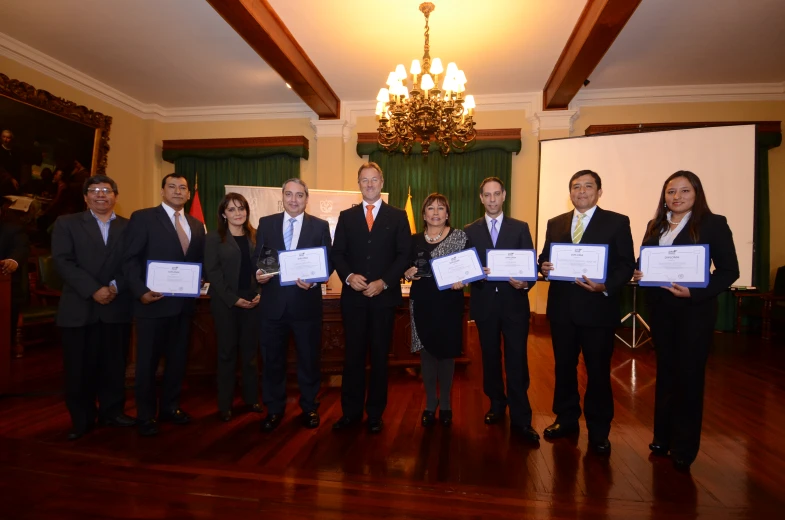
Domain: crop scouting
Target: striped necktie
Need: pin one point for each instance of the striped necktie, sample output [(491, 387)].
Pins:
[(578, 233), (287, 236)]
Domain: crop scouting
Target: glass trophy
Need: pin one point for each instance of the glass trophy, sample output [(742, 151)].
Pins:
[(423, 264), (268, 261)]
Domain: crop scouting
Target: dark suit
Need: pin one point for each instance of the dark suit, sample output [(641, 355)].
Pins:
[(683, 329), (499, 310), (95, 336), (163, 326), (583, 320), (290, 309), (14, 245), (236, 328), (379, 254)]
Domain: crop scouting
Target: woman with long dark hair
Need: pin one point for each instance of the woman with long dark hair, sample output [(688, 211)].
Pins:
[(682, 318), (234, 294)]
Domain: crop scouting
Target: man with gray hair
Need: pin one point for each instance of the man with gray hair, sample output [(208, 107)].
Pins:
[(295, 309)]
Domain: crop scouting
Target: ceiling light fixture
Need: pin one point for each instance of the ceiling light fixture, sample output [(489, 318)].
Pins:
[(426, 113)]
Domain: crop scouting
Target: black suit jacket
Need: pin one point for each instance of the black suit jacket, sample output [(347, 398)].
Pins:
[(304, 303), (513, 234), (14, 245), (382, 253), (151, 236), (714, 231), (568, 301), (222, 268), (86, 264)]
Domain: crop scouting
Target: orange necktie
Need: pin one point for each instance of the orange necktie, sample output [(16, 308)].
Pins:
[(369, 215)]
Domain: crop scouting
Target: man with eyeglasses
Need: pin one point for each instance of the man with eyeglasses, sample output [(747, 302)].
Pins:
[(163, 324), (370, 253), (94, 314)]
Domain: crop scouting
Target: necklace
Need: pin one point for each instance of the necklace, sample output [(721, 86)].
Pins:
[(436, 238)]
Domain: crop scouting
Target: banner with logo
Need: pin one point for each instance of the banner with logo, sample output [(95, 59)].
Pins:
[(325, 204)]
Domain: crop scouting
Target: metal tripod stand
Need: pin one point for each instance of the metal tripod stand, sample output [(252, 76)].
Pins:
[(636, 318)]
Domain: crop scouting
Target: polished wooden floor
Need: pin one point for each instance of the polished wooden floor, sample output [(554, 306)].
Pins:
[(210, 469)]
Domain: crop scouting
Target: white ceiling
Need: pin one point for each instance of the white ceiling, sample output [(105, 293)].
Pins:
[(180, 53)]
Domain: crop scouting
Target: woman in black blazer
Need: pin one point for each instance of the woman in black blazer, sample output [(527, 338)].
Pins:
[(230, 269), (682, 320)]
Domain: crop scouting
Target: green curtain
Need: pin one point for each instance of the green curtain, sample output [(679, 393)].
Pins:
[(457, 176), (215, 174)]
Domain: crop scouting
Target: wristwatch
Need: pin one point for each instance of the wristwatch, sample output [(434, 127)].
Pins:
[(385, 286)]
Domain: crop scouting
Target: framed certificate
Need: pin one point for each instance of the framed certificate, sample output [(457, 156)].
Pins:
[(174, 278), (309, 265), (571, 261), (520, 264), (687, 266), (463, 266)]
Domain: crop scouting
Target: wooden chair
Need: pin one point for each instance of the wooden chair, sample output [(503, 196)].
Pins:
[(43, 295), (769, 306)]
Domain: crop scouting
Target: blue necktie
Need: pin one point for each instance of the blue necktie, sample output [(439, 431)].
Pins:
[(494, 232), (287, 236)]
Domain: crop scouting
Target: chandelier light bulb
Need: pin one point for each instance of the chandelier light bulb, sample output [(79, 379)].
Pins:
[(400, 72), (380, 108), (392, 78), (469, 102), (461, 78), (384, 95), (427, 82), (415, 69), (436, 66)]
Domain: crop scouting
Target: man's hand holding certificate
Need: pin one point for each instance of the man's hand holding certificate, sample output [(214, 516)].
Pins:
[(572, 262), (463, 266), (174, 278), (687, 266), (308, 265)]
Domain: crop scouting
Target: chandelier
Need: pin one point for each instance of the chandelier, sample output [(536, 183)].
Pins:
[(426, 113)]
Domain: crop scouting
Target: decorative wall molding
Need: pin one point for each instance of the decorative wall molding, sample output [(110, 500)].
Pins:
[(235, 142), (680, 94), (553, 120), (330, 128)]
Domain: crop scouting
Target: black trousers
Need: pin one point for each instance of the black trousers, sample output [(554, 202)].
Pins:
[(274, 341), (366, 328), (94, 359), (596, 343), (236, 330), (516, 363), (157, 337), (682, 337)]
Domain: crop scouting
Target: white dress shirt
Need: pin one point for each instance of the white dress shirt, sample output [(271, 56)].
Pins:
[(183, 221), (298, 226)]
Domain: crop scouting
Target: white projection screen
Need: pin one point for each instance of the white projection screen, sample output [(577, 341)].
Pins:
[(634, 166)]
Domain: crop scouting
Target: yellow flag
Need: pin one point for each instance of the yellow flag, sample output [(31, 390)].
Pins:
[(410, 212)]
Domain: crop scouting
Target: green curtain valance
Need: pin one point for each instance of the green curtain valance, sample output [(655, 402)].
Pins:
[(299, 152)]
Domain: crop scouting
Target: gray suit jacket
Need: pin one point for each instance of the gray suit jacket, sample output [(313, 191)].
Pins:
[(86, 264)]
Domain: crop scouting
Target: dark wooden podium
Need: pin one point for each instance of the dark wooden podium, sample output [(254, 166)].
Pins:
[(5, 332)]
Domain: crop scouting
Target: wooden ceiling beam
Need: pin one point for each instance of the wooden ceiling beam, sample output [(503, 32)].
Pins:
[(595, 31), (259, 25)]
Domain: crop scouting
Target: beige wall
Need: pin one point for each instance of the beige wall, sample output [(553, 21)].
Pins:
[(135, 156)]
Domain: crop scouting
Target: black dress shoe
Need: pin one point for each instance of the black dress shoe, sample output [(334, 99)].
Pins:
[(375, 425), (601, 447), (254, 408), (681, 463), (558, 430), (526, 433), (310, 420), (271, 422), (148, 428), (658, 448), (445, 416), (121, 420), (175, 416), (225, 416), (492, 417), (428, 418), (344, 423), (78, 433)]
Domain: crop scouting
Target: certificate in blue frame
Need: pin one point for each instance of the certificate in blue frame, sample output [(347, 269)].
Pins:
[(180, 294), (317, 279), (492, 278), (468, 280), (572, 278), (662, 283)]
